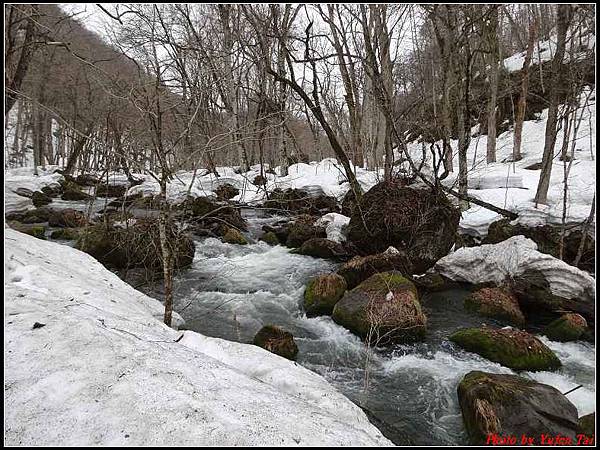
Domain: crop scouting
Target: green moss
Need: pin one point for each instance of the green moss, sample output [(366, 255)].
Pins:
[(564, 329), (38, 232), (386, 281), (514, 349), (233, 236), (70, 234), (587, 424), (270, 238), (322, 293)]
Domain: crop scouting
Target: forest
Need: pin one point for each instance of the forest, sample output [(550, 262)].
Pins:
[(299, 224)]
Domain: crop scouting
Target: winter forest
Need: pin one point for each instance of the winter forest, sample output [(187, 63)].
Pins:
[(299, 224)]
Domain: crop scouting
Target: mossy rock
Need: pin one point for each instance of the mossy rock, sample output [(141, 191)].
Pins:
[(135, 246), (359, 268), (69, 234), (111, 190), (233, 236), (37, 231), (302, 230), (322, 293), (587, 424), (497, 303), (421, 223), (510, 405), (213, 215), (270, 238), (431, 282), (68, 218), (568, 327), (52, 190), (322, 248), (512, 348), (277, 340), (40, 199), (71, 191), (383, 309), (37, 215)]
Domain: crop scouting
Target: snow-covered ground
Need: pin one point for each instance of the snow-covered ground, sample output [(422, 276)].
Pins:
[(104, 370)]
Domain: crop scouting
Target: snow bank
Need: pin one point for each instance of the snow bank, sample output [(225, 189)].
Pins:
[(496, 262), (104, 371), (24, 178), (334, 224)]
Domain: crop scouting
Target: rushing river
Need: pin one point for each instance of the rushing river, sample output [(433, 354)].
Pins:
[(408, 391)]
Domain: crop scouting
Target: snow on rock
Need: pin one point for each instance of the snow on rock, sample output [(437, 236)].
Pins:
[(334, 224), (102, 370), (24, 178), (509, 258)]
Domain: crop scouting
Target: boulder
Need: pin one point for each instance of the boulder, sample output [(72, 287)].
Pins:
[(421, 223), (135, 246), (359, 268), (226, 191), (548, 240), (216, 216), (302, 230), (24, 192), (512, 348), (67, 218), (301, 201), (276, 340), (383, 309), (349, 203), (71, 191), (234, 236), (110, 190), (259, 180), (498, 405), (497, 303), (86, 179), (37, 231), (38, 199), (322, 248), (587, 424), (322, 293), (37, 215), (568, 327), (69, 234), (431, 282), (270, 238), (53, 190)]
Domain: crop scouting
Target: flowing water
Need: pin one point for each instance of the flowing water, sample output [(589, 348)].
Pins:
[(408, 391)]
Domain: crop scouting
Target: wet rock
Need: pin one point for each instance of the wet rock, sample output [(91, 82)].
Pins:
[(215, 216), (302, 230), (302, 201), (233, 236), (512, 348), (110, 190), (276, 340), (38, 215), (37, 231), (226, 191), (322, 248), (382, 309), (420, 223), (68, 218), (431, 282), (69, 234), (87, 179), (497, 303), (24, 192), (135, 246), (270, 238), (587, 424), (40, 199), (322, 293), (53, 190), (71, 191), (510, 405), (547, 238), (568, 327), (534, 166), (359, 268)]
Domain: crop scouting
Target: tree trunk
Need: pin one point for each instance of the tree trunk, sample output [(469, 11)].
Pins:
[(564, 14), (522, 102), (494, 62)]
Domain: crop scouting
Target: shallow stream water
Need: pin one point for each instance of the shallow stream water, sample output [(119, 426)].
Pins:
[(408, 391)]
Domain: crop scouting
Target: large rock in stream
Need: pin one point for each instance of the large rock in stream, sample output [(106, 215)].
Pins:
[(322, 293), (497, 406), (359, 268), (276, 340), (512, 348), (497, 303), (420, 223), (137, 245), (383, 309)]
